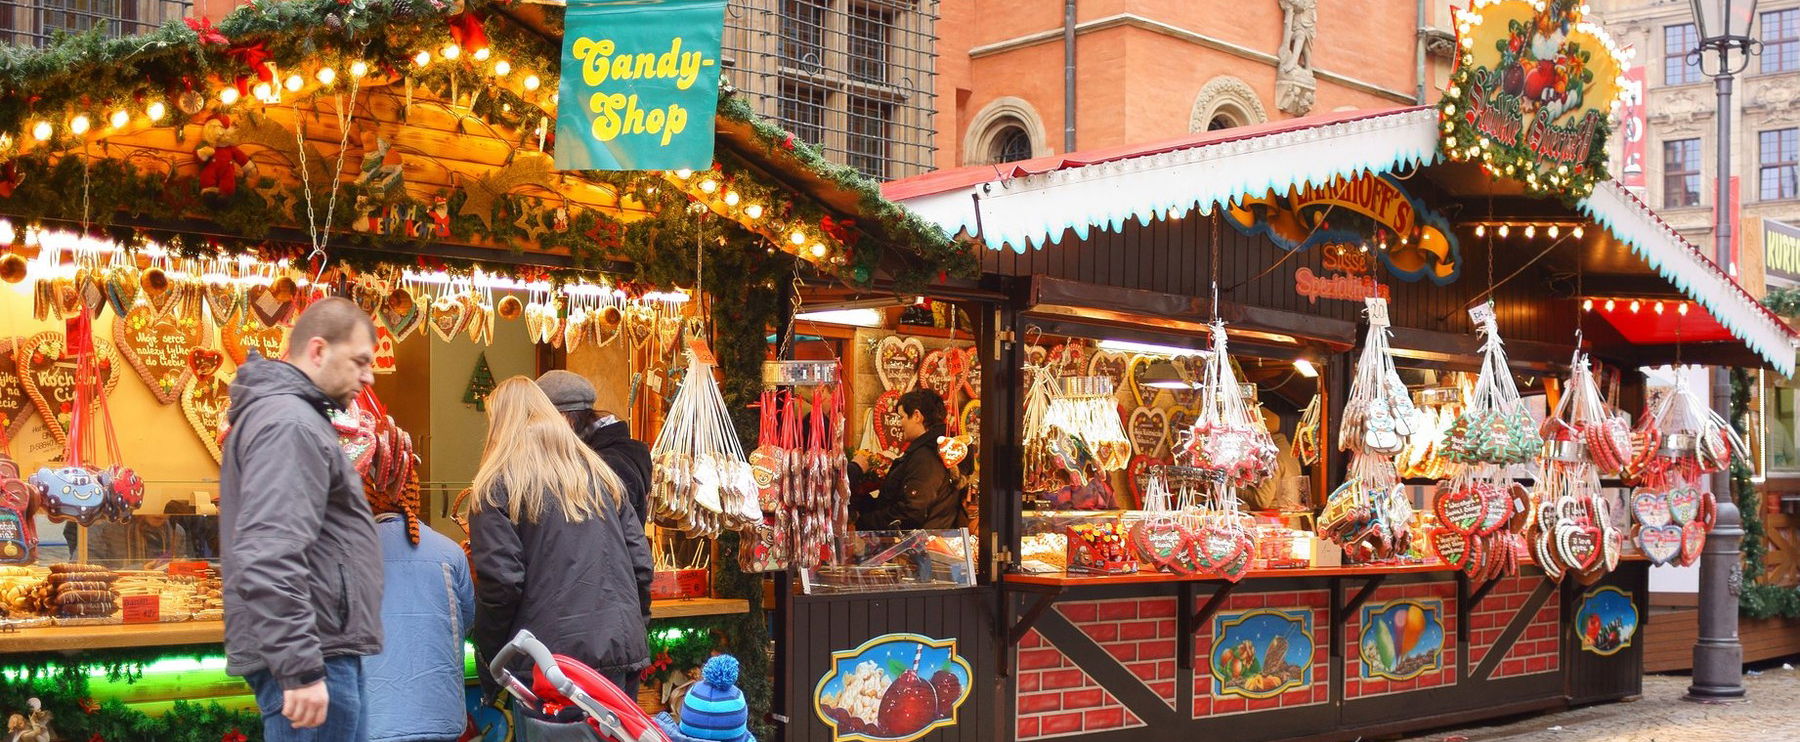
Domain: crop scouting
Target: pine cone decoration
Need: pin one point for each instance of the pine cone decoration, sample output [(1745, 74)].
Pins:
[(333, 22)]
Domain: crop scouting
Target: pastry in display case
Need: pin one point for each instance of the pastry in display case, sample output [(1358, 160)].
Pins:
[(880, 561)]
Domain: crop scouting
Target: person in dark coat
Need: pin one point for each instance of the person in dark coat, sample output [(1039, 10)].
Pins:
[(556, 547), (920, 490), (604, 432), (302, 566)]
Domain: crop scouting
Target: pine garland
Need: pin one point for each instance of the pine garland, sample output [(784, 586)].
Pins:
[(1784, 302), (62, 687), (1755, 599)]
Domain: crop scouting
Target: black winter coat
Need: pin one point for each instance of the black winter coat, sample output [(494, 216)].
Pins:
[(628, 457), (581, 588), (919, 492)]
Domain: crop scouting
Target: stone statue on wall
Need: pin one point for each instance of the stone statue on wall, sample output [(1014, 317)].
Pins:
[(1294, 83)]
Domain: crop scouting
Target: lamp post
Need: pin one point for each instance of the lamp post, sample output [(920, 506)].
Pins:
[(1724, 50)]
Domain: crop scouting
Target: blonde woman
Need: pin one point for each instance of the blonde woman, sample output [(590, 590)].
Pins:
[(554, 544)]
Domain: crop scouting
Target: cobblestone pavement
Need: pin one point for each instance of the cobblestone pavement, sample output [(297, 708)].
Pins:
[(1660, 716)]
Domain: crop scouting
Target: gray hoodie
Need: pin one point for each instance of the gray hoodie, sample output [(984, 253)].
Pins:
[(302, 566)]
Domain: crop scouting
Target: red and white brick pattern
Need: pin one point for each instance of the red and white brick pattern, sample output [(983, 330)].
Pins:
[(1056, 698), (1318, 601), (1356, 686), (1138, 633), (1538, 650)]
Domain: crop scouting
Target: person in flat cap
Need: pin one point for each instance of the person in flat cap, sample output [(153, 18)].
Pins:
[(603, 432)]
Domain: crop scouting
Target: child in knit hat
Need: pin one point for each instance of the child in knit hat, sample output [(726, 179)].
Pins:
[(714, 710)]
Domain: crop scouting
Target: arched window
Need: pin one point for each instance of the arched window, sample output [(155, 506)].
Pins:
[(1226, 102), (1010, 143), (1221, 121)]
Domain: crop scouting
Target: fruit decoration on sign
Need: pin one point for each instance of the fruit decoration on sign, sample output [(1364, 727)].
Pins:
[(1531, 94)]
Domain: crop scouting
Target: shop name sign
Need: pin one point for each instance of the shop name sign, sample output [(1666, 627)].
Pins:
[(1532, 94), (1347, 276), (1366, 211), (639, 85), (1781, 249)]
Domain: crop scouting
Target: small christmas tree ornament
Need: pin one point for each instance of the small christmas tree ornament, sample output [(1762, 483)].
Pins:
[(481, 384)]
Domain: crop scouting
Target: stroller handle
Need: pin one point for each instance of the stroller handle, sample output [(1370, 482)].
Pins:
[(525, 643)]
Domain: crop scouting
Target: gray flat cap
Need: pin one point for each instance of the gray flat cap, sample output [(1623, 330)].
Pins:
[(569, 391)]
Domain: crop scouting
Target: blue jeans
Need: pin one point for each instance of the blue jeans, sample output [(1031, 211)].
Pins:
[(344, 719)]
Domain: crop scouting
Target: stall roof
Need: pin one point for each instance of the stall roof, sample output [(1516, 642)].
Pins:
[(1032, 203)]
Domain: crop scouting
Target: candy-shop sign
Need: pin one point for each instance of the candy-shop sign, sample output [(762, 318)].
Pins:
[(1346, 276), (1532, 94), (1413, 241), (640, 84)]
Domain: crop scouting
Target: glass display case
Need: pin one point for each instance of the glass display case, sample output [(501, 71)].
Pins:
[(884, 561)]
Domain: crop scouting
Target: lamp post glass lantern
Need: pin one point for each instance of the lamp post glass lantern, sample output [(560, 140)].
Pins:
[(1724, 50)]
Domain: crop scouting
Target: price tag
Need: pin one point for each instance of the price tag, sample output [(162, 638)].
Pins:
[(702, 352), (1482, 315), (656, 383), (141, 608), (1378, 315)]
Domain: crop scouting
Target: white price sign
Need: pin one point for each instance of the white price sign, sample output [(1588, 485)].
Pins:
[(1378, 315)]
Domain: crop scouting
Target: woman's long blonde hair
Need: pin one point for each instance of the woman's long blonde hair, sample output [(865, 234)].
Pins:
[(534, 457)]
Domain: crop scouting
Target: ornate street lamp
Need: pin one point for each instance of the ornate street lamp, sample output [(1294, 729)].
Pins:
[(1724, 50)]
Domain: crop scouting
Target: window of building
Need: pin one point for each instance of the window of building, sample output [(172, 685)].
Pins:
[(803, 32), (868, 43), (1221, 121), (1010, 144), (1781, 40), (1779, 152), (1678, 40), (803, 111), (1681, 173), (867, 134)]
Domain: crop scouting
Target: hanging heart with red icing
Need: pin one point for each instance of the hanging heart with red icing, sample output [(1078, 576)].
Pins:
[(1660, 544)]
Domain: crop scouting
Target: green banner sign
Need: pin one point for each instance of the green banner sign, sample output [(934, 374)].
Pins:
[(640, 84)]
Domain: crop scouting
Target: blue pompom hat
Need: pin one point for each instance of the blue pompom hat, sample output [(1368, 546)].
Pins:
[(714, 710)]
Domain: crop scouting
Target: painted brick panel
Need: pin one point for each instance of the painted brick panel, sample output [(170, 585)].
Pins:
[(1058, 698), (1131, 631)]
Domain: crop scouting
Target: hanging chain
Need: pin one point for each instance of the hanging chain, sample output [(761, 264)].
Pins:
[(1214, 262), (344, 116)]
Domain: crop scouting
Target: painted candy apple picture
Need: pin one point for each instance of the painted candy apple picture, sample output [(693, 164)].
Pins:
[(893, 688), (1606, 621)]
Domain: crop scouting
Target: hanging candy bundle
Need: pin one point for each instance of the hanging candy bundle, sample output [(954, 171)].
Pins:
[(383, 454), (1212, 539), (1306, 445), (1086, 411), (701, 484), (817, 488), (79, 489), (1480, 517), (1681, 441), (1494, 428), (1575, 535), (1369, 514), (1056, 456), (1437, 411), (1226, 439), (1583, 429)]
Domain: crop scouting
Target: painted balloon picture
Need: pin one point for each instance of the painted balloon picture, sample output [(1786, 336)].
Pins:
[(1261, 653), (893, 688), (1606, 621), (1402, 639)]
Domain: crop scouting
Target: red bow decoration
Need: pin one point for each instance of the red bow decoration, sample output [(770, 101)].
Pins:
[(10, 178), (203, 27), (466, 29), (89, 705), (96, 738), (839, 230), (255, 56), (234, 736)]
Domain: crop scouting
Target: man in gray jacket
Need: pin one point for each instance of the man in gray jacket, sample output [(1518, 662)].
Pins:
[(302, 566)]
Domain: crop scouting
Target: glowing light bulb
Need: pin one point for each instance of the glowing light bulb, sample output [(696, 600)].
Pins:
[(228, 96), (326, 76), (502, 68), (754, 211), (1577, 232), (1553, 231), (294, 83), (798, 238), (481, 54), (1658, 307), (1530, 231), (709, 185), (1635, 305), (1481, 230), (451, 51), (684, 173), (1503, 230), (818, 250), (120, 118), (1587, 305), (1610, 305), (731, 198), (1681, 309), (156, 111), (422, 58), (532, 82), (263, 91), (41, 130), (359, 68)]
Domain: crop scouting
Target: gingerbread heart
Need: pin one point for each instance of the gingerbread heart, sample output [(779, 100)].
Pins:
[(246, 334), (938, 371), (91, 288), (1148, 429), (1069, 359), (1137, 475), (204, 362), (48, 376), (267, 306), (1651, 509), (1450, 546), (1496, 508), (1660, 544), (15, 404), (1181, 421), (400, 313), (121, 288), (640, 323), (1461, 509), (224, 300), (204, 403), (897, 362), (952, 450), (1215, 547), (156, 346), (1111, 365), (887, 421), (1684, 504), (449, 315), (1693, 542), (1134, 375), (971, 373), (1579, 546)]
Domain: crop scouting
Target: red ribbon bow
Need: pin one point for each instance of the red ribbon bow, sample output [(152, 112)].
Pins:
[(466, 29), (255, 56), (839, 230), (203, 27), (234, 736), (9, 178)]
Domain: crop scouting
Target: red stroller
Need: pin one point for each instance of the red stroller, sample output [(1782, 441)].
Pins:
[(586, 706)]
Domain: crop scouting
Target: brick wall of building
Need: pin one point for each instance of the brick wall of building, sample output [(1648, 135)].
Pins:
[(1056, 698), (1357, 686), (1538, 650), (1139, 634), (1317, 692)]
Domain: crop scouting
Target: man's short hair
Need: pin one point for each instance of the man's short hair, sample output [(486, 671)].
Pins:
[(925, 402), (333, 319)]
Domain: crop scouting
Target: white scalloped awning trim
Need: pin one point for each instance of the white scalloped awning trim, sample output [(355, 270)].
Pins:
[(1034, 210), (1677, 260)]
